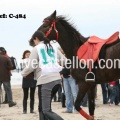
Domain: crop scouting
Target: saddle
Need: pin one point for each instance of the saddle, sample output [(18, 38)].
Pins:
[(91, 48)]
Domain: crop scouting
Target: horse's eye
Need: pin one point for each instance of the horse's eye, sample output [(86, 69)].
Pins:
[(45, 25)]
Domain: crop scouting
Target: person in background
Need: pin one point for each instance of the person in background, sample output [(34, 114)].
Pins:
[(5, 75), (63, 95), (5, 53), (59, 95), (117, 99), (28, 82), (104, 93), (119, 89), (114, 93), (70, 88), (46, 70)]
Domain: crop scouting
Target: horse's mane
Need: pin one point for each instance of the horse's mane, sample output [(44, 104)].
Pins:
[(69, 37), (70, 28)]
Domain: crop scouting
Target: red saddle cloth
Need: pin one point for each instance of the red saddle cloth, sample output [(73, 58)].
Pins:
[(91, 48)]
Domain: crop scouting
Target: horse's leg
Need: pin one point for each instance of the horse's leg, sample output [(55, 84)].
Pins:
[(91, 99), (83, 88)]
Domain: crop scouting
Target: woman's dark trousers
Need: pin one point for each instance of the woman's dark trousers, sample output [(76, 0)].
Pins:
[(25, 98)]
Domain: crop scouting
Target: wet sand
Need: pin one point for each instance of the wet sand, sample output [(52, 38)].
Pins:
[(102, 112)]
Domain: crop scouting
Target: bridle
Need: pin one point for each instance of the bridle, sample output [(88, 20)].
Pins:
[(53, 26)]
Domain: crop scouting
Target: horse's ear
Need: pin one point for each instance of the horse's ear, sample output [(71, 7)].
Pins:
[(53, 15)]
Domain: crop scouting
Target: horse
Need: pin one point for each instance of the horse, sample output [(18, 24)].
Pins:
[(57, 27)]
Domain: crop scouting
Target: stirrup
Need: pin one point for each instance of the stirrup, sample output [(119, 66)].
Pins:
[(90, 79)]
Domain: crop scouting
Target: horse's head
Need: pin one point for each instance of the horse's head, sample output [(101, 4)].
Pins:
[(58, 28), (49, 26)]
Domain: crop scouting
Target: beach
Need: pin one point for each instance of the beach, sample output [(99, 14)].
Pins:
[(102, 112)]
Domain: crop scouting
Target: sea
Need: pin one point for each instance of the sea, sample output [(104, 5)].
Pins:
[(16, 78)]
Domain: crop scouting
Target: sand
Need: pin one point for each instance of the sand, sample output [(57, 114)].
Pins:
[(102, 112)]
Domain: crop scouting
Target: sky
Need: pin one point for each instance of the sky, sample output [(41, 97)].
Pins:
[(90, 17)]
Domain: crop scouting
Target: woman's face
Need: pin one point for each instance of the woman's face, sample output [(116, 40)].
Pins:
[(27, 55)]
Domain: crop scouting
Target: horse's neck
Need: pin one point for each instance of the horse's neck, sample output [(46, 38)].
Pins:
[(70, 39), (70, 45)]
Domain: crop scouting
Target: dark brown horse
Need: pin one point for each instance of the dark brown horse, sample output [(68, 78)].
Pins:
[(70, 40)]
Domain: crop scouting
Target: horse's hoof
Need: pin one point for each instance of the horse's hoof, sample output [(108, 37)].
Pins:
[(90, 118)]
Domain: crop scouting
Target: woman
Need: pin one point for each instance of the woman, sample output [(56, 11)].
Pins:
[(28, 82), (46, 70), (114, 93)]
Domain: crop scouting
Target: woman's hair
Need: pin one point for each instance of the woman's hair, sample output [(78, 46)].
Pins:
[(2, 49), (41, 36), (31, 42), (24, 53)]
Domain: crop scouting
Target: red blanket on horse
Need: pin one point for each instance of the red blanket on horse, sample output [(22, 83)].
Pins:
[(91, 48)]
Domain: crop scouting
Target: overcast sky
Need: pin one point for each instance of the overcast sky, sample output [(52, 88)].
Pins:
[(91, 17)]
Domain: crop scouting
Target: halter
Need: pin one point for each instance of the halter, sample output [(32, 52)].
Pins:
[(53, 26)]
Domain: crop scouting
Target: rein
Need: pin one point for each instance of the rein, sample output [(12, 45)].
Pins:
[(53, 26)]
